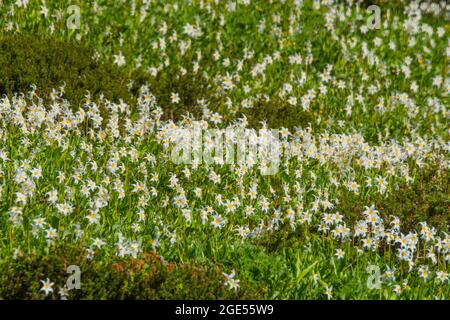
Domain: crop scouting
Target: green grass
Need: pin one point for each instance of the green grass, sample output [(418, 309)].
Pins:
[(371, 144)]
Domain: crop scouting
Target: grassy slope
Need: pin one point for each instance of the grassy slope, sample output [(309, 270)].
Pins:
[(282, 265)]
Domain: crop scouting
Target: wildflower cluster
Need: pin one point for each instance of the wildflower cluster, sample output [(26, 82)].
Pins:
[(359, 114)]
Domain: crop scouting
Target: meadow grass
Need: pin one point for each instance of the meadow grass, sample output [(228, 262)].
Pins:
[(90, 115)]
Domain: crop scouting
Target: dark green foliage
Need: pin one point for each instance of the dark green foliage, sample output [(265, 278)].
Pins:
[(190, 88), (277, 114), (145, 277), (425, 199), (49, 63)]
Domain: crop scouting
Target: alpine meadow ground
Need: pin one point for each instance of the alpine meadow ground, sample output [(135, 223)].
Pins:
[(226, 149)]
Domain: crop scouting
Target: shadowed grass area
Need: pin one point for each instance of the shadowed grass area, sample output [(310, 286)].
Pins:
[(424, 200), (49, 63), (146, 277)]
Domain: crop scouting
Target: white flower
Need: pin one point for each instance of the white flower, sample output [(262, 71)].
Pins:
[(47, 286), (233, 283), (329, 292), (339, 253), (119, 59), (98, 243), (174, 97)]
